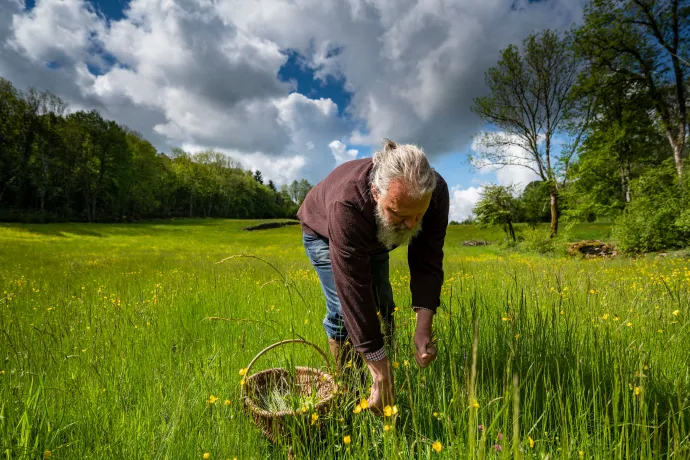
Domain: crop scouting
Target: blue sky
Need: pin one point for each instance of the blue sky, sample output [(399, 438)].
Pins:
[(291, 88)]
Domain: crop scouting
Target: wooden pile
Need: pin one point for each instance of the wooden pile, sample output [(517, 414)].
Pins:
[(475, 243), (592, 248)]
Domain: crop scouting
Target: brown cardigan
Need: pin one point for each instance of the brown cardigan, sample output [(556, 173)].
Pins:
[(341, 209)]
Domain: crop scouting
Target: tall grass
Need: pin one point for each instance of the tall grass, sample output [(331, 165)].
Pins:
[(108, 350)]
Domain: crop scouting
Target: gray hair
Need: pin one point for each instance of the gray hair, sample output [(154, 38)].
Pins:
[(404, 162)]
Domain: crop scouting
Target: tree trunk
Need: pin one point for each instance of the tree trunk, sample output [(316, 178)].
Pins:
[(625, 180), (512, 231), (191, 200), (678, 157), (553, 194)]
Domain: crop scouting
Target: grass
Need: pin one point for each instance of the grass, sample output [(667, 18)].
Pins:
[(127, 341)]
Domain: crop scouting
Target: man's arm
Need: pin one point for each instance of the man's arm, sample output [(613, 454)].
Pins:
[(425, 259), (425, 253), (352, 274)]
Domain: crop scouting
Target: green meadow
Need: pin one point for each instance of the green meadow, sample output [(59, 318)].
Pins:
[(128, 341)]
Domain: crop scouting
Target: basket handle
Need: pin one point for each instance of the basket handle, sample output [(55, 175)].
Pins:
[(283, 342)]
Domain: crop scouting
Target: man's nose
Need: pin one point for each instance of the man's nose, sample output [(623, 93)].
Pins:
[(410, 223)]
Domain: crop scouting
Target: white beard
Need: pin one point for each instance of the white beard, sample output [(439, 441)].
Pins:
[(391, 235)]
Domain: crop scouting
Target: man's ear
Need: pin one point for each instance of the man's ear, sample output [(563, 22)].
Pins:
[(375, 192)]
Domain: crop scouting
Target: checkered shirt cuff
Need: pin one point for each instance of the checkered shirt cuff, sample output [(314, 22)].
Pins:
[(376, 355)]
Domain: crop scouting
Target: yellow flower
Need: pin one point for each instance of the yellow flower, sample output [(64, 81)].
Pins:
[(629, 324), (242, 382), (517, 336), (437, 446), (306, 321), (676, 313), (357, 409), (475, 404), (213, 399), (386, 427), (389, 411), (645, 367), (531, 442), (207, 455), (592, 291), (396, 365), (637, 391), (435, 414), (244, 371), (314, 418), (347, 439), (605, 317), (227, 402), (364, 403), (406, 363), (581, 453)]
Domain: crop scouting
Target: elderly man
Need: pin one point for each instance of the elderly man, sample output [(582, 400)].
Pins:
[(350, 221)]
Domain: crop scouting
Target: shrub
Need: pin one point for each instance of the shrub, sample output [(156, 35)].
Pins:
[(654, 220)]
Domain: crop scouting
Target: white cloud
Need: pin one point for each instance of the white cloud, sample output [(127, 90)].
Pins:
[(462, 202), (58, 31), (196, 72), (340, 153), (518, 174)]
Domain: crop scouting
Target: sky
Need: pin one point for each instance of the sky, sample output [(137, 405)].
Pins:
[(292, 88)]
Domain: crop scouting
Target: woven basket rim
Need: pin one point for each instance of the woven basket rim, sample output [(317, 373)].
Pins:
[(253, 407)]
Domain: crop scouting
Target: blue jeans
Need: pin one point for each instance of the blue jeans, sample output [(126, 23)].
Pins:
[(319, 255)]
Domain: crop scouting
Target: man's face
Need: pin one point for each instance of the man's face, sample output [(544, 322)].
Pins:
[(399, 216)]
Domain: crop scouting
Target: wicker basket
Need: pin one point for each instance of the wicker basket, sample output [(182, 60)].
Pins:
[(305, 380)]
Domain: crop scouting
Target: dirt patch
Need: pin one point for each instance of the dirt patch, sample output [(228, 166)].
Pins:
[(592, 248), (269, 225)]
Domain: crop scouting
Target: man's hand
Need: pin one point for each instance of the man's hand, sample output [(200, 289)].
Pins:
[(383, 388), (425, 349)]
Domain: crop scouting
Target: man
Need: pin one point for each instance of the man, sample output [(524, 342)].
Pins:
[(351, 220)]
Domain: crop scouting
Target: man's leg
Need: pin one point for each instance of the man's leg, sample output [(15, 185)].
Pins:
[(383, 293), (340, 347)]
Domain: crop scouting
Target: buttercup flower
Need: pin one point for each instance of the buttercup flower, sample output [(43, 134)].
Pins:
[(437, 446)]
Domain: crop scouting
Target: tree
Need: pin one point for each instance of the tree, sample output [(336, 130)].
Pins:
[(497, 206), (80, 166), (621, 143), (531, 101), (534, 203), (644, 41)]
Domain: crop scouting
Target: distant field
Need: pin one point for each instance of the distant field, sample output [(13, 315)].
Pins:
[(107, 350)]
